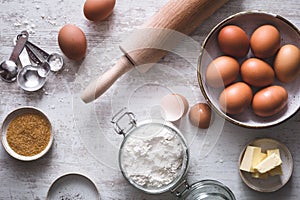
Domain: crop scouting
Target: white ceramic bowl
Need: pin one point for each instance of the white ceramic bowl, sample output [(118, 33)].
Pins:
[(249, 21), (73, 186), (6, 122)]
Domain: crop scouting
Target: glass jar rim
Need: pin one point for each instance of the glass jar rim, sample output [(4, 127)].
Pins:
[(198, 189)]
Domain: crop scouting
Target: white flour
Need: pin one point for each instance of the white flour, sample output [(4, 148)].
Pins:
[(153, 157)]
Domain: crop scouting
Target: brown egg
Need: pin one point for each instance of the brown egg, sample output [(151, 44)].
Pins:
[(287, 63), (265, 41), (233, 41), (235, 98), (97, 10), (269, 101), (72, 42), (257, 72), (200, 115), (222, 71)]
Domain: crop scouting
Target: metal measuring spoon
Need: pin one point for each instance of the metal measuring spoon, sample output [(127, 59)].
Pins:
[(43, 67), (29, 77), (55, 60), (9, 68)]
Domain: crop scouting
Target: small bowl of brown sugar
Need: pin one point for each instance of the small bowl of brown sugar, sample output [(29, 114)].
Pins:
[(26, 133)]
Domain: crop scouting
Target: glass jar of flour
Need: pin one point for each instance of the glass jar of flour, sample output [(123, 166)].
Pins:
[(154, 158)]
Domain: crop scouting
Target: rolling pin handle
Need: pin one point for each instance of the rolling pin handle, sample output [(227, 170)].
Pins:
[(101, 84)]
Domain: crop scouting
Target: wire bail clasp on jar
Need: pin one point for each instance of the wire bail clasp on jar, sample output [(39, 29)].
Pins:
[(180, 188), (117, 118)]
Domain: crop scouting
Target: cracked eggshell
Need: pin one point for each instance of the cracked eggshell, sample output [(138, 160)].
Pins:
[(174, 107)]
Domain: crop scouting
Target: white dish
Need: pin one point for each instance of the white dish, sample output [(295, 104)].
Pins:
[(6, 122), (73, 186), (272, 183)]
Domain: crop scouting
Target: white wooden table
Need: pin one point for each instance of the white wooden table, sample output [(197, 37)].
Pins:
[(84, 139)]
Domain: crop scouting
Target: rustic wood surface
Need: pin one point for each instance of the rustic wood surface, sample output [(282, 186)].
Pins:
[(84, 138)]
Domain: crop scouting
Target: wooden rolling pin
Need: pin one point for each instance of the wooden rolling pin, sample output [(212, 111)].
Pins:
[(179, 15)]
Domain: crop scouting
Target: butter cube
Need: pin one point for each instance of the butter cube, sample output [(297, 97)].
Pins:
[(271, 151), (268, 163), (257, 159), (251, 158), (277, 170)]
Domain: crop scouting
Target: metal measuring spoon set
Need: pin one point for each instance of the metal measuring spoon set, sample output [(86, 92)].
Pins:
[(33, 74)]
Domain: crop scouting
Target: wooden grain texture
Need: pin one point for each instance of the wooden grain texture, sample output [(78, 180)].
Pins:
[(84, 139), (183, 16)]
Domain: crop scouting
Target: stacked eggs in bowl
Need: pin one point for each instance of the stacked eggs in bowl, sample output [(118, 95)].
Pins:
[(249, 69)]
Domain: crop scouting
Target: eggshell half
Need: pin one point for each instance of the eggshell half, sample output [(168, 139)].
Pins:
[(174, 107)]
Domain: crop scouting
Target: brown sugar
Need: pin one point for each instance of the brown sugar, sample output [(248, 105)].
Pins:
[(28, 134)]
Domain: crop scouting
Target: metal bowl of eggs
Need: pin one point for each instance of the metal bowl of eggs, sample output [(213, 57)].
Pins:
[(26, 133), (249, 69)]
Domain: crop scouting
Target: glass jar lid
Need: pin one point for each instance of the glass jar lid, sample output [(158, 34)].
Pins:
[(154, 156), (207, 190)]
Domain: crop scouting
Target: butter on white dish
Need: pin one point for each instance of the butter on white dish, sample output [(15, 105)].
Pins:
[(268, 163), (265, 182), (277, 170), (259, 164), (252, 157)]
